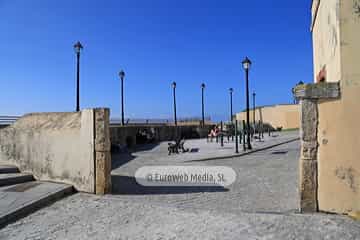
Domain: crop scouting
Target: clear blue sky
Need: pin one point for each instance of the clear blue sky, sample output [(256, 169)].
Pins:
[(155, 42)]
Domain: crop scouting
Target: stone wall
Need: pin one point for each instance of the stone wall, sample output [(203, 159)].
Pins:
[(70, 148), (124, 134), (336, 59), (310, 95), (102, 151)]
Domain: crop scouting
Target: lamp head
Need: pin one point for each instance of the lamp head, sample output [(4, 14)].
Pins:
[(246, 63), (78, 47), (122, 74)]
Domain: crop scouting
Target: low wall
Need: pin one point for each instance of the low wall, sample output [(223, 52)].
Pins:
[(124, 135), (72, 148)]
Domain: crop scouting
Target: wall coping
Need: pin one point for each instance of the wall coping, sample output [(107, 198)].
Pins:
[(322, 90)]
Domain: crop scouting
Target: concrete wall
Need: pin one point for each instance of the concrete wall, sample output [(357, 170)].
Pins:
[(286, 116), (336, 39), (60, 147)]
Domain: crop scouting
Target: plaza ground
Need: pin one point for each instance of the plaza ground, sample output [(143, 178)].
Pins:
[(261, 204)]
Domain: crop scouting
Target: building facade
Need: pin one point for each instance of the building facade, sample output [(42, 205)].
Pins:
[(330, 109)]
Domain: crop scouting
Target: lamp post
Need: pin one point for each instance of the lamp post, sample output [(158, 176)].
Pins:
[(78, 47), (246, 65), (254, 94), (122, 76), (174, 95), (231, 90), (202, 103)]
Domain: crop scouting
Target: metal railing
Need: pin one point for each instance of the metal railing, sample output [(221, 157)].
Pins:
[(7, 120), (154, 121)]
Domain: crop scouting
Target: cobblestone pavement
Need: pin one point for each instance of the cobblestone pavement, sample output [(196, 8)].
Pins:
[(261, 204)]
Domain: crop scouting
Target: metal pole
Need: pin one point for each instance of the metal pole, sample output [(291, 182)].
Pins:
[(244, 146), (259, 131), (122, 101), (236, 137), (247, 110), (254, 112), (202, 107), (231, 108), (222, 135), (231, 113), (240, 136), (78, 82), (254, 108), (175, 118)]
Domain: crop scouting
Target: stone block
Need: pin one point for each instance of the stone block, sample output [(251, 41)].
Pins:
[(102, 132), (102, 151), (309, 120), (308, 186), (103, 172), (309, 150), (322, 90)]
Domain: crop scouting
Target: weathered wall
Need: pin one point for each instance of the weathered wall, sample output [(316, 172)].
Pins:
[(102, 151), (56, 147), (336, 39), (286, 116), (326, 39)]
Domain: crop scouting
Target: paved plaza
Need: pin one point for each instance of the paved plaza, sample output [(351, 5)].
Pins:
[(261, 204), (199, 150)]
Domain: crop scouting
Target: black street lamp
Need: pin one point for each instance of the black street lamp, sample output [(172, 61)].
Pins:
[(202, 103), (78, 47), (246, 65), (122, 76), (254, 94), (231, 90), (174, 95)]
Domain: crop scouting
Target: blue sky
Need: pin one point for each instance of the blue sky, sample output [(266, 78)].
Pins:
[(155, 42)]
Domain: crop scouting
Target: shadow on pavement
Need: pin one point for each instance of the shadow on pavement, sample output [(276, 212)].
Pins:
[(144, 147), (125, 185), (120, 158)]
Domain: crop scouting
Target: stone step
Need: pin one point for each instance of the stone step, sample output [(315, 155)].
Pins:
[(14, 178), (22, 199), (8, 169)]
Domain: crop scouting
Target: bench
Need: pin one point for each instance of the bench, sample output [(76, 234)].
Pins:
[(174, 147)]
